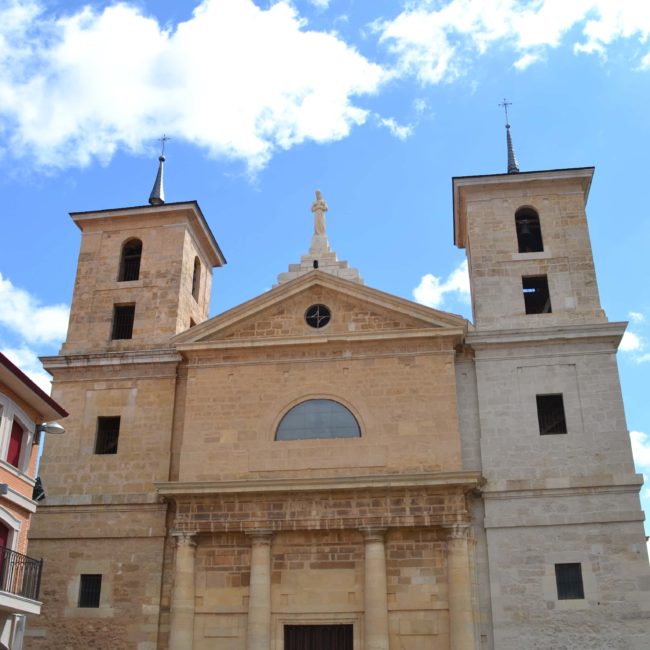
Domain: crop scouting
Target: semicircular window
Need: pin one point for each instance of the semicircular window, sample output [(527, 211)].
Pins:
[(318, 418)]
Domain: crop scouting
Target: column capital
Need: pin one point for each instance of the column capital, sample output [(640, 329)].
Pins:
[(373, 533), (458, 530), (260, 535), (184, 537)]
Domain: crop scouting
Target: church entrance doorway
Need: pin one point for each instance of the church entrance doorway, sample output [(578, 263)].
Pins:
[(318, 637)]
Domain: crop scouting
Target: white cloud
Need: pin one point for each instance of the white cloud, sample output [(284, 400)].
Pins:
[(636, 317), (320, 4), (24, 315), (432, 290), (400, 131), (641, 449), (238, 80), (630, 342), (28, 362), (436, 41)]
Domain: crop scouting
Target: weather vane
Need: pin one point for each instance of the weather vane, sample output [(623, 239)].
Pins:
[(505, 103), (164, 139)]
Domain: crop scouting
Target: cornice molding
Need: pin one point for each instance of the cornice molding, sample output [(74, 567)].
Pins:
[(469, 480)]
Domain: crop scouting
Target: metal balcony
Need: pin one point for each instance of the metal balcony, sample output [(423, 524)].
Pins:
[(19, 575)]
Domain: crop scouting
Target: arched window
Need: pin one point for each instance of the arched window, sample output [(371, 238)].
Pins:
[(130, 262), (196, 278), (529, 232), (318, 418)]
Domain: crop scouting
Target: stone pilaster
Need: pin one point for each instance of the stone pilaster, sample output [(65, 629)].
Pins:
[(259, 603), (461, 611), (375, 596), (181, 625)]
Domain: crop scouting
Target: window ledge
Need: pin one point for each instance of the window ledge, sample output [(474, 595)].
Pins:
[(16, 472), (542, 255)]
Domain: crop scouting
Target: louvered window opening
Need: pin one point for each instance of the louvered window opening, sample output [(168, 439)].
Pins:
[(550, 414), (108, 432), (90, 589), (318, 637), (123, 317), (569, 581)]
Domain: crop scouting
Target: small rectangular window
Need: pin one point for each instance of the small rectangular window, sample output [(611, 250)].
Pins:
[(550, 414), (15, 444), (568, 578), (536, 296), (90, 589), (108, 432), (123, 316)]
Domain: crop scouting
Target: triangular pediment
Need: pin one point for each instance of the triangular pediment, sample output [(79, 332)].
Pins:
[(356, 310)]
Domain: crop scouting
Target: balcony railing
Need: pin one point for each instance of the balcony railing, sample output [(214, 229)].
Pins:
[(20, 575)]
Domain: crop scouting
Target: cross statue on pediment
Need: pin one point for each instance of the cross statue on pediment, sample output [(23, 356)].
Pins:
[(319, 208)]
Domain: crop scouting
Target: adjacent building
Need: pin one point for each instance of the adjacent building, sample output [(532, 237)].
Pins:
[(330, 464), (24, 409)]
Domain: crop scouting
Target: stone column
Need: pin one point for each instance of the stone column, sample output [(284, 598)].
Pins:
[(375, 597), (259, 602), (181, 624), (461, 610)]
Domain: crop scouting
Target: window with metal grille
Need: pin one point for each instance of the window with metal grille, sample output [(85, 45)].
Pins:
[(550, 414), (529, 232), (318, 316), (108, 432), (536, 295), (568, 578), (90, 589), (196, 279), (123, 316), (130, 262)]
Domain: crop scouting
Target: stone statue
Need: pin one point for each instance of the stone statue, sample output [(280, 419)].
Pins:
[(319, 208)]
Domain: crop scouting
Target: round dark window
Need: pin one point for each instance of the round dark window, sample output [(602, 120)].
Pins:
[(318, 316)]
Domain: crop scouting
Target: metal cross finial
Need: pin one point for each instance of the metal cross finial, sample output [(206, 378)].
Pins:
[(164, 139), (505, 103)]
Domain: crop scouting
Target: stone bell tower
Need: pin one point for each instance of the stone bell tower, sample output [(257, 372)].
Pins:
[(144, 274), (562, 521)]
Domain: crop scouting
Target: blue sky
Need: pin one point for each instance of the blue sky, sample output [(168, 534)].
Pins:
[(376, 103)]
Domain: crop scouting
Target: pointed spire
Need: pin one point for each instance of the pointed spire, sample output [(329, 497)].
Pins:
[(513, 164), (157, 196)]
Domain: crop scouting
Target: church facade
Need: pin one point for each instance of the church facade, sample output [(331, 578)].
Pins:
[(329, 466)]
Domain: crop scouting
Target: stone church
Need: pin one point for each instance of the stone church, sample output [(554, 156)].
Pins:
[(330, 467)]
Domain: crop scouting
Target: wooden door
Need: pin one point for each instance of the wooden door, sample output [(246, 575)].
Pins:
[(318, 637)]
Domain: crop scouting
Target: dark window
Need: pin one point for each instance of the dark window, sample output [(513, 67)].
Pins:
[(90, 588), (529, 232), (536, 296), (318, 418), (123, 316), (550, 414), (15, 444), (196, 278), (130, 262), (318, 637), (108, 432), (318, 316), (568, 578)]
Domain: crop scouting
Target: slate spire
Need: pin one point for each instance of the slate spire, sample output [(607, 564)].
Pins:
[(513, 164), (157, 196)]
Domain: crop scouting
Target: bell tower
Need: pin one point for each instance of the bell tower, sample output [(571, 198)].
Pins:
[(144, 274)]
